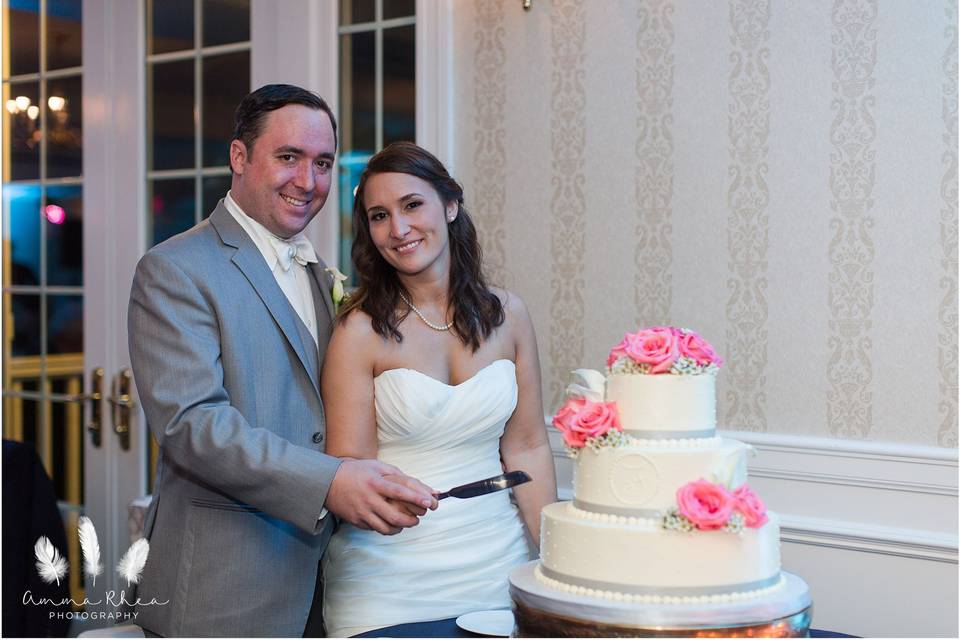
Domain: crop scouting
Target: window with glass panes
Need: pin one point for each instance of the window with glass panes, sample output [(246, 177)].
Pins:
[(43, 242), (377, 93), (198, 69)]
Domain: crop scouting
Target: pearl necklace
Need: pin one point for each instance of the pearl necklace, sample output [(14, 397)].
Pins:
[(435, 327)]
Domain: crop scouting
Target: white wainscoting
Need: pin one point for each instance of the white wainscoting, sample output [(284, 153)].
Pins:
[(872, 527)]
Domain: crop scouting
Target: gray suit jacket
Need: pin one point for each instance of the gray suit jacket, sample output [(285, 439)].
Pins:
[(228, 377)]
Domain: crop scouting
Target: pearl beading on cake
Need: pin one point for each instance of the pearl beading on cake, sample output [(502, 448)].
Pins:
[(618, 596), (609, 518), (671, 443)]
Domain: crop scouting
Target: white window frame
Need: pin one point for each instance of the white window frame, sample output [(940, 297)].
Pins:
[(297, 42)]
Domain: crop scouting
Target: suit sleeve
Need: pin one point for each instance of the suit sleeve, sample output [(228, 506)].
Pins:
[(175, 355)]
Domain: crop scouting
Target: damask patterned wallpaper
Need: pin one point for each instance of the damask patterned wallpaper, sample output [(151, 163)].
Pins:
[(781, 176)]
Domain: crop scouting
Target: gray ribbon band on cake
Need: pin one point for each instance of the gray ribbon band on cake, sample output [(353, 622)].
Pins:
[(660, 591), (670, 435), (617, 511)]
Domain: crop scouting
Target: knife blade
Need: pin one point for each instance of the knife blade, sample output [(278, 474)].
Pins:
[(489, 485)]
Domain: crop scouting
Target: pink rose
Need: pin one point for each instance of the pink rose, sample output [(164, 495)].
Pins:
[(751, 506), (619, 351), (674, 330), (579, 420), (565, 420), (693, 346), (657, 347), (597, 418), (706, 505)]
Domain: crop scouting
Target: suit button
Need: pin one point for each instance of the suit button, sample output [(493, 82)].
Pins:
[(318, 437)]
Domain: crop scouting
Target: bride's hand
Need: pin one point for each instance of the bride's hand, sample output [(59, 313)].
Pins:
[(374, 495)]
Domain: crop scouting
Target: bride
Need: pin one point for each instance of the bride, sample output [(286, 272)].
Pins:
[(433, 371)]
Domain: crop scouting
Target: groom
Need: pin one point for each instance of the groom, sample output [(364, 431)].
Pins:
[(228, 326)]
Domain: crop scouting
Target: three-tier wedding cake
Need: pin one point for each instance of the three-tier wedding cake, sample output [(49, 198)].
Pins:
[(661, 500), (662, 514)]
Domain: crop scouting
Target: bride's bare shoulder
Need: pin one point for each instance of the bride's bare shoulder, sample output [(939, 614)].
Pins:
[(355, 322), (514, 308), (353, 333)]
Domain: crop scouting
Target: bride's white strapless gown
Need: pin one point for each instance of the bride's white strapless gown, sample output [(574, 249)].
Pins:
[(457, 559)]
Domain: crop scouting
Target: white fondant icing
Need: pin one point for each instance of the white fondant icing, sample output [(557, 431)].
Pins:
[(663, 403), (653, 486)]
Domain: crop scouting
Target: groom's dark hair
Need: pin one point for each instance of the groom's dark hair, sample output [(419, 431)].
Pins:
[(248, 118), (477, 311)]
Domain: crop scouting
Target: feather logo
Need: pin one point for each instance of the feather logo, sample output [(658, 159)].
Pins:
[(131, 564), (51, 566), (90, 546)]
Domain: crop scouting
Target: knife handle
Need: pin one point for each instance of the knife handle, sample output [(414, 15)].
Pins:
[(441, 496)]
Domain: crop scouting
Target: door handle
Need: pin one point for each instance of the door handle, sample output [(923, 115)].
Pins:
[(121, 405), (95, 426)]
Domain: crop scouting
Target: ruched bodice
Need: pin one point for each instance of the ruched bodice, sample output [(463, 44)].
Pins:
[(418, 416), (457, 559)]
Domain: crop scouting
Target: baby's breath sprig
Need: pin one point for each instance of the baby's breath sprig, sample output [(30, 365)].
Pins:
[(612, 438), (672, 520), (685, 366), (735, 523), (628, 366)]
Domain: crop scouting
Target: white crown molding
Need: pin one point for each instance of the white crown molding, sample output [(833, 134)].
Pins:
[(901, 452), (892, 541), (853, 481), (870, 465)]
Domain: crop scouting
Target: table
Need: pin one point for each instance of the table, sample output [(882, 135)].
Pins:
[(448, 629)]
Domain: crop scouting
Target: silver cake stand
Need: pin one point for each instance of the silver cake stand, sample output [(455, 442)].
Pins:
[(540, 612)]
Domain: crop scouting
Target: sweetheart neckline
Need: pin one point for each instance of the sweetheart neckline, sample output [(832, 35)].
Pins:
[(447, 384)]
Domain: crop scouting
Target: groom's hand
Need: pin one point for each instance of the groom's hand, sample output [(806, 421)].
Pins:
[(416, 485), (374, 495)]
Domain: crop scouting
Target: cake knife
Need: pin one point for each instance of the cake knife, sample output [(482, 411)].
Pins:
[(483, 487)]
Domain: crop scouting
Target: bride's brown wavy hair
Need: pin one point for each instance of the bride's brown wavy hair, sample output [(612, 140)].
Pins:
[(477, 311)]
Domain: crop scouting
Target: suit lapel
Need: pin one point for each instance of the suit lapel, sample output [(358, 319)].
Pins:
[(324, 282), (250, 261)]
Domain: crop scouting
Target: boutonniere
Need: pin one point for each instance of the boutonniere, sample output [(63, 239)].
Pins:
[(336, 290)]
